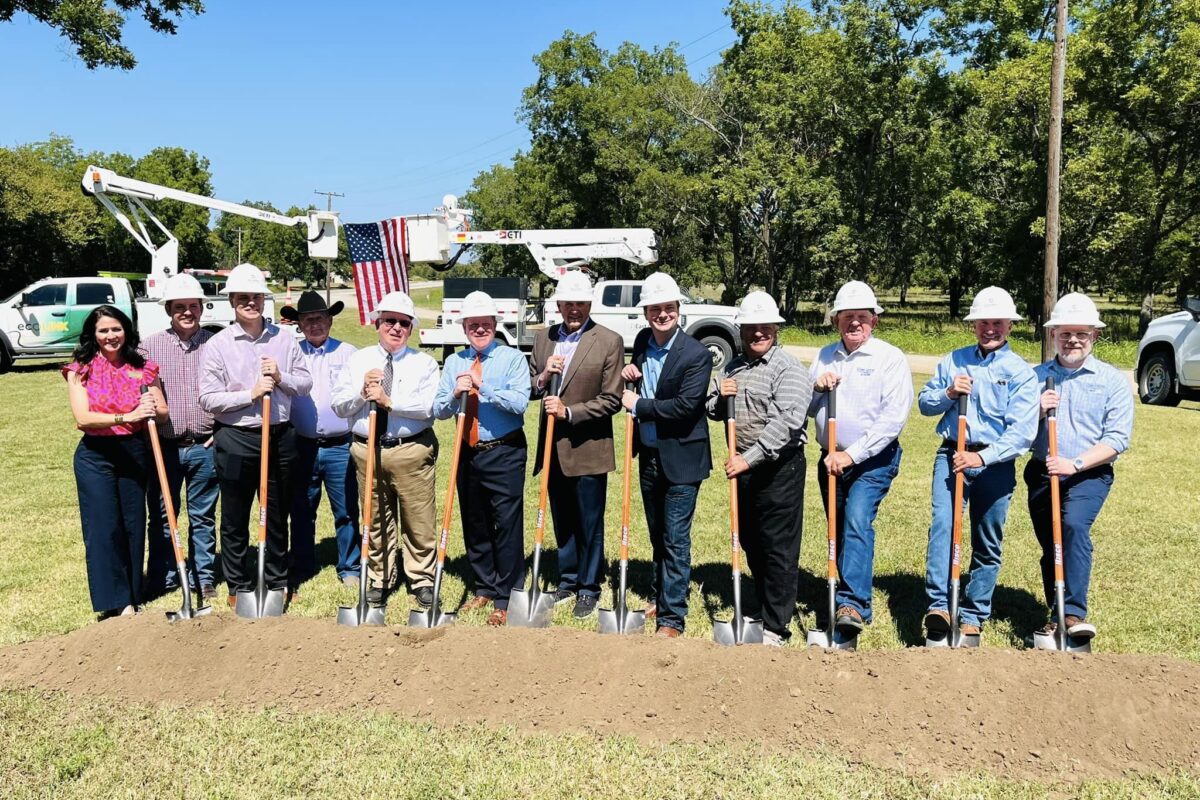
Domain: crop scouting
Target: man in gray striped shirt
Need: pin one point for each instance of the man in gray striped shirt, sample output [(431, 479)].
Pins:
[(772, 391)]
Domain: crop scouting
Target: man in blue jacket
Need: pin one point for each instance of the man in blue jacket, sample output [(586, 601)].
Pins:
[(672, 442)]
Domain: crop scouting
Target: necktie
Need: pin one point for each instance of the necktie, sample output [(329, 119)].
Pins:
[(389, 374), (473, 403)]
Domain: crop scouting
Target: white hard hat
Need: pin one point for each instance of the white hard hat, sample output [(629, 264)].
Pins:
[(396, 302), (1074, 309), (182, 287), (246, 278), (478, 304), (660, 288), (992, 303), (854, 295), (758, 308), (575, 287)]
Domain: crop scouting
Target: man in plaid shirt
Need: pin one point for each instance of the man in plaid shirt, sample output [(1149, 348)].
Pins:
[(772, 389), (186, 444)]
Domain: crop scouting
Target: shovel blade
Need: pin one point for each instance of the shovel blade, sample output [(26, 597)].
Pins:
[(838, 641), (1049, 641), (273, 603), (422, 619), (175, 616), (530, 609), (610, 622), (353, 616), (726, 633), (938, 640)]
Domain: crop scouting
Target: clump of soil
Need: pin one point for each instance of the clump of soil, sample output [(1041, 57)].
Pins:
[(1041, 716)]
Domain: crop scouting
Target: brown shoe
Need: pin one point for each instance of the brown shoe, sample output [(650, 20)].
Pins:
[(668, 633), (478, 601), (937, 621), (651, 611), (1079, 628), (969, 630), (499, 618), (233, 600), (848, 619)]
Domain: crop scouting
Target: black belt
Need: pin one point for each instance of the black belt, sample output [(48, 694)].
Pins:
[(513, 437), (950, 444), (275, 428), (387, 442), (329, 441), (187, 440)]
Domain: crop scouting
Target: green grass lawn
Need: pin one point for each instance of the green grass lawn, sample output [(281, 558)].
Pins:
[(1144, 592)]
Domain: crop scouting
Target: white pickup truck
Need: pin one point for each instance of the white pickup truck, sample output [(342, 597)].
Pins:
[(45, 318), (1168, 359), (614, 305)]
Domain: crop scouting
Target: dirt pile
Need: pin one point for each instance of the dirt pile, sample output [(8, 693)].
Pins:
[(1022, 714)]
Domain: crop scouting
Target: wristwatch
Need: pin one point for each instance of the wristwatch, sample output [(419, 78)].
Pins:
[(1078, 464), (118, 419)]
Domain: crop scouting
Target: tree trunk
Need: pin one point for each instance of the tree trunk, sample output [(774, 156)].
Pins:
[(956, 293), (1146, 313)]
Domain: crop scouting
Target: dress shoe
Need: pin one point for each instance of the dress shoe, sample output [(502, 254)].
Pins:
[(563, 596), (232, 599), (375, 597), (966, 629), (668, 633), (423, 596), (499, 618), (585, 606), (478, 601), (208, 591)]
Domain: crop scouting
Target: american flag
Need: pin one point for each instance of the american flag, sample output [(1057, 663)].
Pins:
[(379, 251)]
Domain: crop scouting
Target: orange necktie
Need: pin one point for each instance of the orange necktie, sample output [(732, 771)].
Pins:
[(473, 403)]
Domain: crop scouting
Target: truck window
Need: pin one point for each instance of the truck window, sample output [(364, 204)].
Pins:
[(50, 294), (94, 294), (635, 294), (611, 296)]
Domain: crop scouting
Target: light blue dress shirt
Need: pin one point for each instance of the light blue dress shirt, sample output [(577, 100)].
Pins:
[(1003, 411), (1095, 406), (312, 414), (504, 393), (652, 368)]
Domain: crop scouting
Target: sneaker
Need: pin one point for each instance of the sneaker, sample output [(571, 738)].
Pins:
[(375, 596), (772, 639), (563, 596), (848, 620), (937, 620), (423, 596), (1080, 629), (585, 606)]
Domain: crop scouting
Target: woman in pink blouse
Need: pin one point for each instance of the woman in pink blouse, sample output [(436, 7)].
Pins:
[(105, 383)]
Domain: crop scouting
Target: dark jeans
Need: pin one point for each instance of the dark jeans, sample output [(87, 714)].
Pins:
[(860, 490), (110, 475), (332, 467), (770, 515), (491, 492), (237, 459), (577, 505), (669, 509), (1082, 496), (194, 464)]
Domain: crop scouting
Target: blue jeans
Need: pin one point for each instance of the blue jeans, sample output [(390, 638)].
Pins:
[(987, 491), (194, 464), (1082, 496), (669, 509), (860, 490), (332, 467)]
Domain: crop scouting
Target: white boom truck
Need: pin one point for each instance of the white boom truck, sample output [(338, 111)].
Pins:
[(556, 252)]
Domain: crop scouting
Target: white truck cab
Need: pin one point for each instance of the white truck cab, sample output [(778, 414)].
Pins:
[(1168, 359)]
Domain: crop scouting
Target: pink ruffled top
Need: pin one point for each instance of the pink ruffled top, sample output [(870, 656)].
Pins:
[(113, 390)]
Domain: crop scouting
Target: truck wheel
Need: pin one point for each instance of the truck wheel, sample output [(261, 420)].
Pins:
[(1156, 381), (721, 350)]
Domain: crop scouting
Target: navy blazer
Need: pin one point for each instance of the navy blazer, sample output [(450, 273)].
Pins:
[(677, 409)]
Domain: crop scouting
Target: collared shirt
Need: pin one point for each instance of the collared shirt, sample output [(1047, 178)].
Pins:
[(313, 414), (231, 366), (874, 396), (414, 384), (1003, 411), (772, 404), (179, 370), (652, 368), (1095, 406), (503, 395), (567, 343)]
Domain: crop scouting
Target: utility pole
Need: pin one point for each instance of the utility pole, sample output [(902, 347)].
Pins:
[(328, 207), (239, 233), (1053, 169)]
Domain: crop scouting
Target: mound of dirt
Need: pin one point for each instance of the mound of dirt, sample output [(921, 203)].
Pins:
[(1033, 715)]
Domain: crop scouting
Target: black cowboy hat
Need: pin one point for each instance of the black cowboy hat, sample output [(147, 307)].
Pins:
[(310, 301)]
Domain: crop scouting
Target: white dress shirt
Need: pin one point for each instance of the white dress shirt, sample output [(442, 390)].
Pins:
[(873, 397), (312, 415), (414, 385)]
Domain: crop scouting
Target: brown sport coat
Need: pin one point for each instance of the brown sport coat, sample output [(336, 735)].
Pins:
[(591, 390)]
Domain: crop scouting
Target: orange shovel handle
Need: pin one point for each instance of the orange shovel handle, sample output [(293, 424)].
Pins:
[(263, 464)]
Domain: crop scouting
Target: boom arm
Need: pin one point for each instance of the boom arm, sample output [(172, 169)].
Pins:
[(560, 251)]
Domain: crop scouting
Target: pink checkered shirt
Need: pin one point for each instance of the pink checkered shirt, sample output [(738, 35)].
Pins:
[(179, 370)]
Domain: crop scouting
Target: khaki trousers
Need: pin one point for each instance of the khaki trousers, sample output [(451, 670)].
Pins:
[(404, 511)]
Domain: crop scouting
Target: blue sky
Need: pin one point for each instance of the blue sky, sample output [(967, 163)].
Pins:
[(392, 103)]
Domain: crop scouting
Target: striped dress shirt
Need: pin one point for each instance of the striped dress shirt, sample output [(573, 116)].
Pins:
[(179, 370), (773, 394), (1095, 406), (874, 397)]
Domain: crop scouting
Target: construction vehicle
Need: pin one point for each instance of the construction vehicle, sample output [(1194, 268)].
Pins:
[(556, 252)]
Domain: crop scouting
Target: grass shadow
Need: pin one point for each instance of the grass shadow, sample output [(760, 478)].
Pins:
[(906, 604), (1021, 609)]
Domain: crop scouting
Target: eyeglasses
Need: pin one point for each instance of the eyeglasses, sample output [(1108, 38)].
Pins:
[(1066, 336), (395, 322), (484, 325)]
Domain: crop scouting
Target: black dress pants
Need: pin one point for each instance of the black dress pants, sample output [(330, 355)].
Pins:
[(770, 515), (491, 491)]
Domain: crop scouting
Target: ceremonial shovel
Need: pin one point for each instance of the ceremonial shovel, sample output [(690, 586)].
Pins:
[(262, 602), (620, 619), (364, 613), (434, 618), (739, 630), (533, 608)]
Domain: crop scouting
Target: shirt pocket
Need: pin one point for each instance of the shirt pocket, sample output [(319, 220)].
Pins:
[(993, 395), (758, 403)]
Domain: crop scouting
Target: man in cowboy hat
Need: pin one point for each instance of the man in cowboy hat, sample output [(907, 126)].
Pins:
[(322, 445), (588, 358), (1095, 422)]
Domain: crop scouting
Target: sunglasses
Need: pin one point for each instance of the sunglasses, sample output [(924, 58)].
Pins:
[(395, 322)]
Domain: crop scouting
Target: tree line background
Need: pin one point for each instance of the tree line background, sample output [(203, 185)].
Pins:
[(900, 142)]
